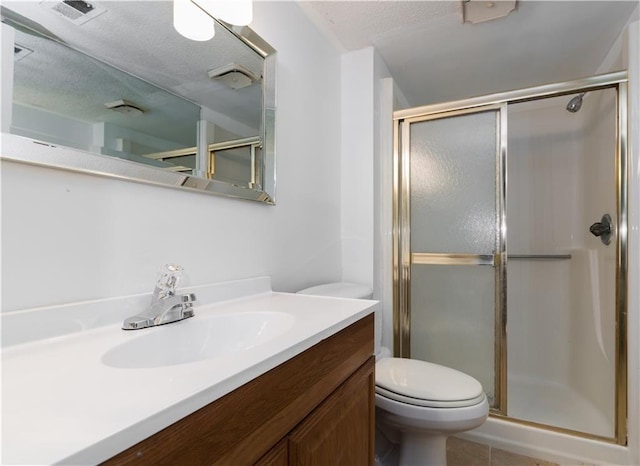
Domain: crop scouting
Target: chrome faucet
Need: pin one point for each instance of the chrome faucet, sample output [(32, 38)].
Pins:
[(166, 306)]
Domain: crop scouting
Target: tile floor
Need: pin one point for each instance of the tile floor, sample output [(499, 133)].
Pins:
[(464, 453)]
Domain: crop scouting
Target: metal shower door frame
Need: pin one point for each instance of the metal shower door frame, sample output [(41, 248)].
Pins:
[(403, 258), (497, 260)]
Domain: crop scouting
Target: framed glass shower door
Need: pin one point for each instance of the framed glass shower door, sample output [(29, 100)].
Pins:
[(453, 253), (450, 247)]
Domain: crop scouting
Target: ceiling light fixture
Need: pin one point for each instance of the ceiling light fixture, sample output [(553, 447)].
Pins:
[(191, 22), (235, 12)]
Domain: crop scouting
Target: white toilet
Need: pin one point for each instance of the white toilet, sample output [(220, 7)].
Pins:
[(417, 402)]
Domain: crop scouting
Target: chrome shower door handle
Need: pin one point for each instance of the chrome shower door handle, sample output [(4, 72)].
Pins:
[(603, 229)]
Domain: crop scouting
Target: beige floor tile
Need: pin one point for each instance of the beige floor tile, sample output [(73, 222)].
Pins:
[(464, 453), (505, 458)]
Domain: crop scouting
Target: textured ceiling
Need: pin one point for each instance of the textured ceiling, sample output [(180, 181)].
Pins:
[(435, 57), (357, 23), (432, 55)]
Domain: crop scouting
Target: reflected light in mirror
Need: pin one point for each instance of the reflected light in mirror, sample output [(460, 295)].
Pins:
[(236, 12), (191, 22)]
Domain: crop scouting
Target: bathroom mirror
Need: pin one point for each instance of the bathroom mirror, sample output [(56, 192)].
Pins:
[(141, 103)]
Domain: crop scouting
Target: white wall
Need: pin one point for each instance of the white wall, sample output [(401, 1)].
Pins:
[(367, 165), (357, 165), (68, 237)]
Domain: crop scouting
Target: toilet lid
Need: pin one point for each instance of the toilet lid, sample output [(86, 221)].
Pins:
[(426, 384)]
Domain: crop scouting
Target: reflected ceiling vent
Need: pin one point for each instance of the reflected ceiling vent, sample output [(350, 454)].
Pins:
[(126, 107), (19, 52), (477, 11), (233, 75), (76, 11)]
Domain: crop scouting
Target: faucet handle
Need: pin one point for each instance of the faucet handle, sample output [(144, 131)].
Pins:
[(168, 280)]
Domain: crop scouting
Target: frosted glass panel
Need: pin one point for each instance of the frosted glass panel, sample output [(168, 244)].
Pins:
[(452, 319), (453, 190)]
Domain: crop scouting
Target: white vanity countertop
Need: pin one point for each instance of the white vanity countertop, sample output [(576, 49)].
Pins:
[(62, 404)]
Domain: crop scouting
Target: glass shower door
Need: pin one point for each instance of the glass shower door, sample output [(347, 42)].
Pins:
[(562, 293), (453, 270), (567, 262)]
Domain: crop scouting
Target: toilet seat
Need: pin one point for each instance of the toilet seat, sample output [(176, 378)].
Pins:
[(422, 383), (429, 403)]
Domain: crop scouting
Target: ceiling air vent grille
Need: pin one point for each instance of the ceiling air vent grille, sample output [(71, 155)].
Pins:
[(233, 75), (20, 51), (76, 11)]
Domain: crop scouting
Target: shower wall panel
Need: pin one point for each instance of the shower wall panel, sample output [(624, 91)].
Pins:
[(543, 187), (561, 312), (593, 371)]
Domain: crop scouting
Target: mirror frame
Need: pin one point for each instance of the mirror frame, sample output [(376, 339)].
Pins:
[(25, 150)]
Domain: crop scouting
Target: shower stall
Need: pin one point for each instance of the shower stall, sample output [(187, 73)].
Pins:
[(510, 249)]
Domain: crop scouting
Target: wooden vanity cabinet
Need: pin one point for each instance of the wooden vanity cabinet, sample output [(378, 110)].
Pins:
[(314, 409), (277, 456), (339, 431)]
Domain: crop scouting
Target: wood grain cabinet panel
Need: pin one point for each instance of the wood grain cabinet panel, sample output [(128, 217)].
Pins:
[(248, 425), (277, 456), (339, 431)]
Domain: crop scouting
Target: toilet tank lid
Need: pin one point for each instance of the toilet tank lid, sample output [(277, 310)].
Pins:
[(340, 290)]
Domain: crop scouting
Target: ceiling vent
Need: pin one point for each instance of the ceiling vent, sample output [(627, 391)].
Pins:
[(19, 52), (76, 11), (479, 11), (126, 107), (233, 75)]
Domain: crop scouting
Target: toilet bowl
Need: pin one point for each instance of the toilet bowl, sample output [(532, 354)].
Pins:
[(425, 403), (418, 404)]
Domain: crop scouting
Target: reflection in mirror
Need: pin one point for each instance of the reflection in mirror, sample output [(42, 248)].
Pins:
[(208, 117), (234, 161), (97, 108)]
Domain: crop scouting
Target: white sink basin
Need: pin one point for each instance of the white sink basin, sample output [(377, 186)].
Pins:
[(197, 338)]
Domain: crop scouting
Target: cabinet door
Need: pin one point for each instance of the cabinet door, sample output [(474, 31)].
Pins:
[(277, 456), (340, 431)]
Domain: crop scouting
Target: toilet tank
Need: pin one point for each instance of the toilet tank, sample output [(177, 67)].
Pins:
[(354, 291), (340, 290)]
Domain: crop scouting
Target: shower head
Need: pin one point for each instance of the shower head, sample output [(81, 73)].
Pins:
[(574, 104)]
